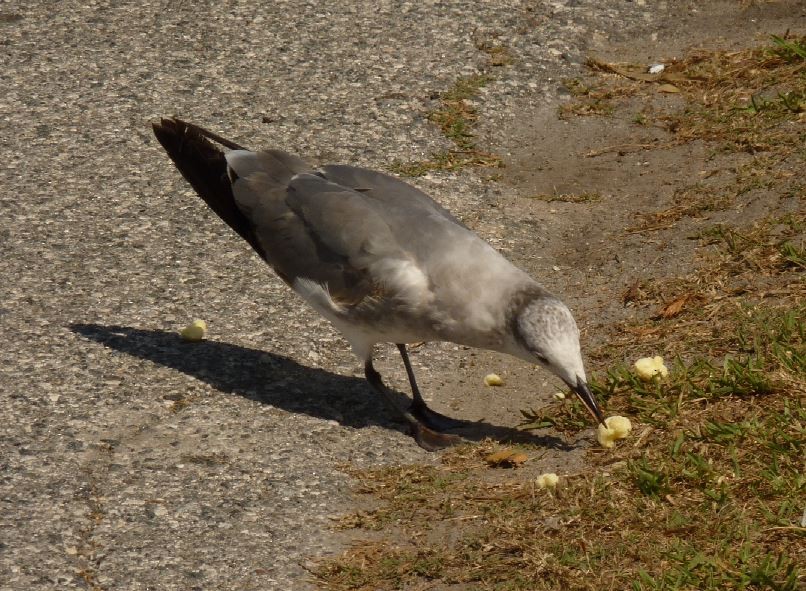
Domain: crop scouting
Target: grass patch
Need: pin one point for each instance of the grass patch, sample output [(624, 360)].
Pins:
[(749, 101), (709, 496), (694, 200), (499, 54), (762, 352), (759, 248), (448, 160), (743, 272), (740, 99), (688, 520), (709, 492), (456, 118), (743, 99), (456, 115), (591, 100), (767, 354), (381, 566)]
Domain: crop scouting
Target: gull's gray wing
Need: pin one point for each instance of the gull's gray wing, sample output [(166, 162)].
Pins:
[(372, 237), (259, 183), (356, 231), (309, 227), (421, 268), (384, 188)]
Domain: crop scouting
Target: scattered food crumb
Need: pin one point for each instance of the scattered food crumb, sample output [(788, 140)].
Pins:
[(656, 68), (493, 379), (547, 480), (194, 332), (617, 428), (559, 396), (650, 368)]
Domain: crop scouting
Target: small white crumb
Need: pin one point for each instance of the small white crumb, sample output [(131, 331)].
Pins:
[(547, 480), (559, 396), (650, 368), (194, 332), (656, 68), (618, 427), (493, 379)]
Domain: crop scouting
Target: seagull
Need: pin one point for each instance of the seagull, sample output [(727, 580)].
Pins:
[(382, 261)]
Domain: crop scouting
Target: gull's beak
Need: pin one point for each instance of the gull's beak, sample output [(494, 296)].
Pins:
[(583, 392)]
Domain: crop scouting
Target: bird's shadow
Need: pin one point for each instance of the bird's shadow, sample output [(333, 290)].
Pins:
[(281, 382)]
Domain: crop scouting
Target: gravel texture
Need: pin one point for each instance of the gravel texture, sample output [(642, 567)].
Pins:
[(132, 460)]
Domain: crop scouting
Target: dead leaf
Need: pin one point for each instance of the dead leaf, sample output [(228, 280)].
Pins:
[(675, 307), (634, 293), (676, 77), (517, 459), (506, 458), (668, 88)]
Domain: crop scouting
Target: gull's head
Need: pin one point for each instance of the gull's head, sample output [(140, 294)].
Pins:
[(548, 335)]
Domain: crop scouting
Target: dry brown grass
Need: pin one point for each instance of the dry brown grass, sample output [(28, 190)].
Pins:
[(709, 492), (737, 99), (757, 265), (751, 101), (456, 117), (707, 495)]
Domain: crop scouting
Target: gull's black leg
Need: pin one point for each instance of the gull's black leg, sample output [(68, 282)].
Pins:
[(430, 418), (424, 436)]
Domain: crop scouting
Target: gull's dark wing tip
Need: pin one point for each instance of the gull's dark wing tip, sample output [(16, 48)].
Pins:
[(204, 166)]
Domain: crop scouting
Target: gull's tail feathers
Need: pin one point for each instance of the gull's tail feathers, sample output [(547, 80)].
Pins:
[(202, 163)]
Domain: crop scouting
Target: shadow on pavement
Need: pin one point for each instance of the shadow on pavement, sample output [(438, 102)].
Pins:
[(282, 382)]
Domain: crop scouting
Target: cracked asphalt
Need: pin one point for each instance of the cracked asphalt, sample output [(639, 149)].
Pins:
[(132, 460)]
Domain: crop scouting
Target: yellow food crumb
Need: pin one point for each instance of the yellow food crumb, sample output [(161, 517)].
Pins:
[(559, 395), (194, 332), (650, 368), (547, 480), (493, 379), (617, 428)]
